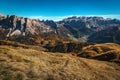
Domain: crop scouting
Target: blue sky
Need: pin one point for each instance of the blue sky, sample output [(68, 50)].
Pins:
[(58, 9)]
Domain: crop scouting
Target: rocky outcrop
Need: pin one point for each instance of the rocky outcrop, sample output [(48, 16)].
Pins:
[(50, 23), (89, 25), (22, 26)]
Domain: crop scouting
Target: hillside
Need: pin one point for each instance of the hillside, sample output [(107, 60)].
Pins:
[(33, 63), (110, 34), (105, 52)]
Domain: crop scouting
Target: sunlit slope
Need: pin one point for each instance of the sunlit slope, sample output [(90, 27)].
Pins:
[(33, 63)]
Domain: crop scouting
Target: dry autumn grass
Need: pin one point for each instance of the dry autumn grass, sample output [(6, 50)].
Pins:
[(33, 63), (105, 52)]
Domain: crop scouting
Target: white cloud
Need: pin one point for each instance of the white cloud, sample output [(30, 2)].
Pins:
[(111, 16), (57, 18)]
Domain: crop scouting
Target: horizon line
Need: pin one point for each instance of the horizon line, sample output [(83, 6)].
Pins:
[(58, 18)]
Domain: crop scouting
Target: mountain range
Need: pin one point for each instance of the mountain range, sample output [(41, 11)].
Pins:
[(31, 49), (71, 28)]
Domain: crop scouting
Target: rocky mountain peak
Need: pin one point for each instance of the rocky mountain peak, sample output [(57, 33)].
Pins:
[(22, 25)]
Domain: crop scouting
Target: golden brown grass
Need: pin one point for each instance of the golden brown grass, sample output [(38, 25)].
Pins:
[(106, 52), (19, 63), (11, 43)]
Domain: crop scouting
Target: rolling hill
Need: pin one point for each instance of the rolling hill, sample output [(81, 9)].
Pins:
[(33, 63)]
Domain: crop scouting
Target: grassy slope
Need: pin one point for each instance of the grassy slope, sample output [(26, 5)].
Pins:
[(105, 52), (33, 63)]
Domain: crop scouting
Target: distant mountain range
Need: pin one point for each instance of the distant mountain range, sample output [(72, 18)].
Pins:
[(111, 34), (82, 27), (89, 29)]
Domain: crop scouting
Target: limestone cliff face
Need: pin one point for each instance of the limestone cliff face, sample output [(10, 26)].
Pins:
[(22, 26)]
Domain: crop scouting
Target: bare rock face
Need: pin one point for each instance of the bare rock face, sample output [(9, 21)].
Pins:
[(22, 25), (89, 25)]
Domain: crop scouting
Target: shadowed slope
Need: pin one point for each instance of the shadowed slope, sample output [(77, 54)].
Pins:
[(106, 52)]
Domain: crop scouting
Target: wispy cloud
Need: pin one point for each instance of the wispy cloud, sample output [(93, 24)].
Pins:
[(111, 16), (57, 18)]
